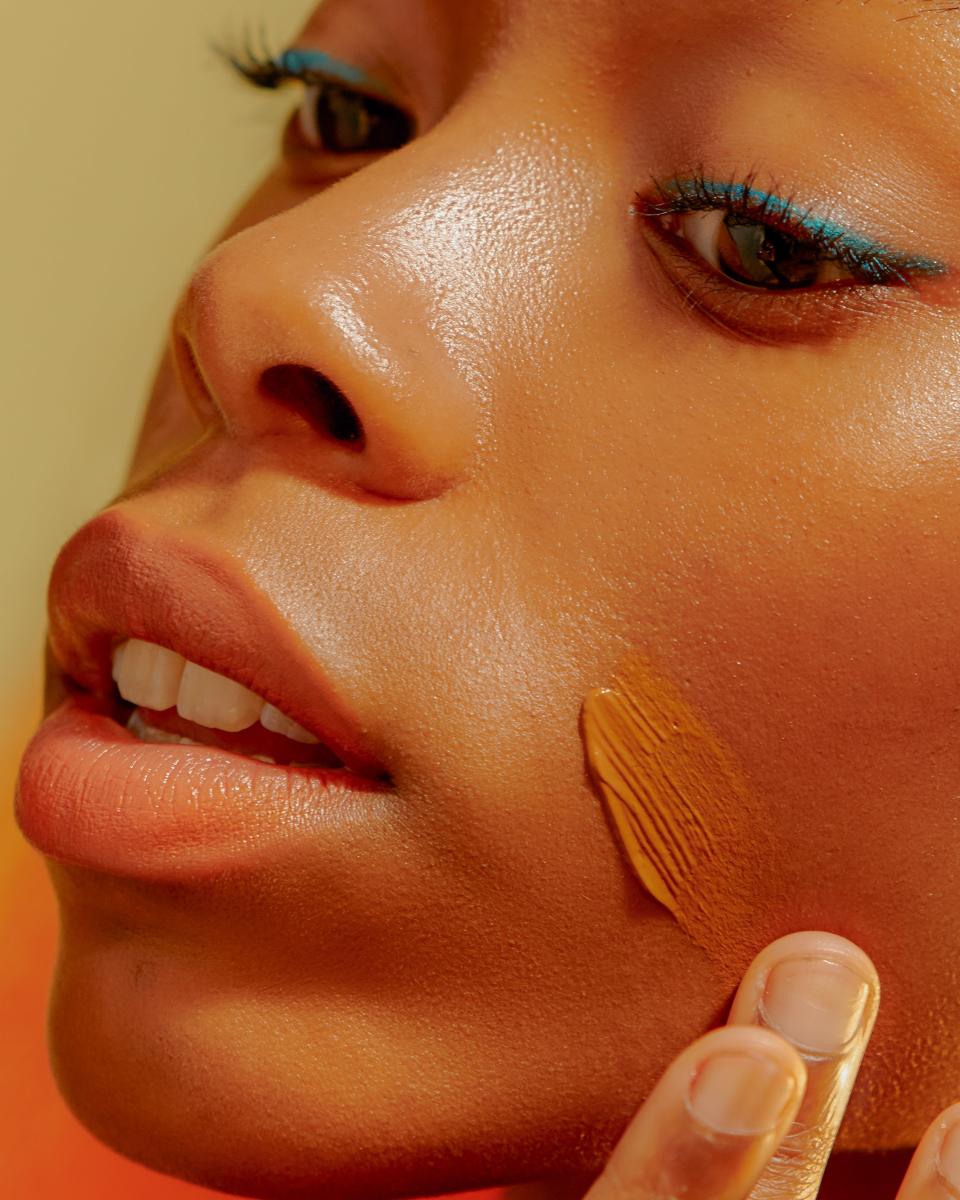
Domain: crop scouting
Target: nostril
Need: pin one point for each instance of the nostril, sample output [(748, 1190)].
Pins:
[(317, 397)]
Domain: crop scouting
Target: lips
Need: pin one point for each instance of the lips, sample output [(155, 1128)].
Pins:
[(91, 792), (114, 581)]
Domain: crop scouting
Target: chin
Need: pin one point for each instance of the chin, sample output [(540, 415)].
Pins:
[(235, 1094)]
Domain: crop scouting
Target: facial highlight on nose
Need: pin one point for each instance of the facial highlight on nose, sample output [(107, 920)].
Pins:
[(290, 331)]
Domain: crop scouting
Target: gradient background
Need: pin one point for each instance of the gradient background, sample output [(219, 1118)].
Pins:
[(126, 144)]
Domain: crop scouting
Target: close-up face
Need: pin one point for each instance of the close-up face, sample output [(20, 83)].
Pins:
[(563, 442)]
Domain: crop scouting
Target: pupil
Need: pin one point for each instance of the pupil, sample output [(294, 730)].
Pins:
[(763, 257), (349, 122)]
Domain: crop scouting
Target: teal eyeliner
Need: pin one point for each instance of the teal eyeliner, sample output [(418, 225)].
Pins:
[(312, 67), (875, 262), (298, 63)]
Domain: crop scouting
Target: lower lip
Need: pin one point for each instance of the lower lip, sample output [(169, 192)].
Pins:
[(91, 794)]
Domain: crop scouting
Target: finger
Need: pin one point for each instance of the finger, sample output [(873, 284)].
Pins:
[(821, 993), (711, 1123), (934, 1172)]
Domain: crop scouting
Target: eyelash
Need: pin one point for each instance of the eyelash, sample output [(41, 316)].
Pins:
[(388, 124), (872, 264), (262, 67)]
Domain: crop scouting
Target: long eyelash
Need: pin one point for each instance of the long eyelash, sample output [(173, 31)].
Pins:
[(263, 67), (260, 65), (696, 193)]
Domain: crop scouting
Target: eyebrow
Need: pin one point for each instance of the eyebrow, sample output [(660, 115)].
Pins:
[(931, 8)]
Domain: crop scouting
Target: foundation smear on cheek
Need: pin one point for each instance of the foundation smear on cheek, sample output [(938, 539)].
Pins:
[(691, 828)]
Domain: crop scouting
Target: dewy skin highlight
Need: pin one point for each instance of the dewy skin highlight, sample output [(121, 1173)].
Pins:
[(691, 828)]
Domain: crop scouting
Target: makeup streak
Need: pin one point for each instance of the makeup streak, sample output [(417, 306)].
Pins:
[(692, 830)]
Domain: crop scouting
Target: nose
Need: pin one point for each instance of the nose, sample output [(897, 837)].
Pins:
[(311, 325)]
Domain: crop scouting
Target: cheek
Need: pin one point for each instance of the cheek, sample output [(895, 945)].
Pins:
[(833, 672), (780, 535), (817, 633)]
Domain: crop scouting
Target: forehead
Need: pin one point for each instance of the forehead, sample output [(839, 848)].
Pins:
[(877, 65), (651, 14), (891, 29), (921, 37)]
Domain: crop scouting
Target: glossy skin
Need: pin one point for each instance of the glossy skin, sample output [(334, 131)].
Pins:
[(563, 462)]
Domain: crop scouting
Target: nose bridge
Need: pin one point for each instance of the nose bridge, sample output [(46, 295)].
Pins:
[(405, 285)]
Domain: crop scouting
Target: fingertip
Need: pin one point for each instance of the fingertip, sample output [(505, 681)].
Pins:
[(740, 1095), (935, 1166), (749, 1039), (743, 1080), (947, 1159), (805, 947), (710, 1125)]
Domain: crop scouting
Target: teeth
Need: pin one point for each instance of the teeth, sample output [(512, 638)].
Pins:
[(148, 675), (117, 660), (147, 733), (273, 719), (215, 701), (154, 677)]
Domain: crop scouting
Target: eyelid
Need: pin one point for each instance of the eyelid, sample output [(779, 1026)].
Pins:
[(769, 318), (878, 263), (262, 68), (300, 63)]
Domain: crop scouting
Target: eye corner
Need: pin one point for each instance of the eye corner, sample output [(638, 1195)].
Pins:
[(643, 207), (659, 197)]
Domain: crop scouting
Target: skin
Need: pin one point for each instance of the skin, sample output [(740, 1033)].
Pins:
[(565, 463), (751, 1111)]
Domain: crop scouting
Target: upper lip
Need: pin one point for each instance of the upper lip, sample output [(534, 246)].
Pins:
[(115, 580)]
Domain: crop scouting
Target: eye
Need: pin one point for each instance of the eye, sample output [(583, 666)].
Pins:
[(754, 253), (767, 269), (340, 113), (764, 243), (340, 120)]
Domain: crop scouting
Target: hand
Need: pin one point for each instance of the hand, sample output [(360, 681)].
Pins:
[(751, 1111)]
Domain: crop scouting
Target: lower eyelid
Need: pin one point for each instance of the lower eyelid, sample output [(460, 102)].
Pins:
[(760, 316)]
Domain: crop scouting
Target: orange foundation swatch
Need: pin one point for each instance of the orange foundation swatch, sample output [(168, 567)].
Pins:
[(691, 828)]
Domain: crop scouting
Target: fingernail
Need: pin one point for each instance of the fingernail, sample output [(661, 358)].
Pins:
[(948, 1160), (816, 1003), (741, 1094)]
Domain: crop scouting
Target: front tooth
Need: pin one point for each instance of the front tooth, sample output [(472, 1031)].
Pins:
[(117, 660), (148, 675), (215, 701), (277, 722)]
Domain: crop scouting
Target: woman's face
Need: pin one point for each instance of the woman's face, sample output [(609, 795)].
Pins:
[(646, 344)]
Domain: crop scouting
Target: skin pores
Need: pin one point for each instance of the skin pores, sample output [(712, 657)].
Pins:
[(565, 459), (693, 832)]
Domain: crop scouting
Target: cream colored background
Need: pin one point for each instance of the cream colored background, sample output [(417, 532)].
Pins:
[(125, 145)]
